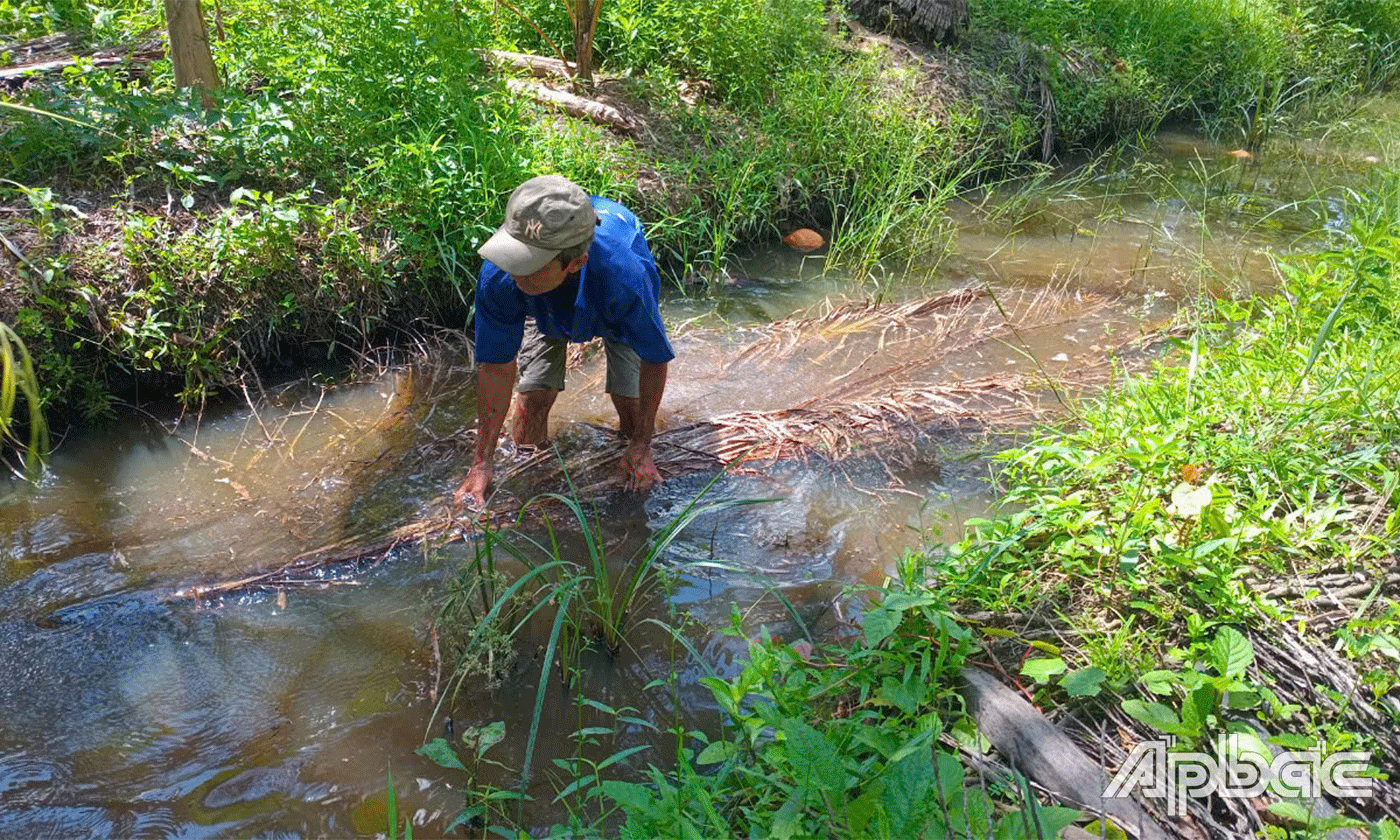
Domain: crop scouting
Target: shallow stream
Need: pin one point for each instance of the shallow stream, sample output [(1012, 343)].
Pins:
[(127, 712)]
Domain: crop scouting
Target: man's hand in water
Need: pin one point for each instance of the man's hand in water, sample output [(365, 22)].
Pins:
[(638, 467), (474, 489)]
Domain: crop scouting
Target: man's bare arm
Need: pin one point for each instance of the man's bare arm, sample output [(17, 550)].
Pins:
[(637, 463), (493, 388)]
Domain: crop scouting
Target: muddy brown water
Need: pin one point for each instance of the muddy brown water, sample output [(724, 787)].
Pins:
[(125, 713)]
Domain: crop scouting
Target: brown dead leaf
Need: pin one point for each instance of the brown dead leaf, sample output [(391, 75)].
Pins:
[(281, 598), (239, 489), (1190, 473)]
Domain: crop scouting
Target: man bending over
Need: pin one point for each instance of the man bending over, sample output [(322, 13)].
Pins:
[(579, 268)]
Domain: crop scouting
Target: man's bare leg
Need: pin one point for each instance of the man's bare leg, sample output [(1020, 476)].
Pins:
[(531, 425), (628, 411)]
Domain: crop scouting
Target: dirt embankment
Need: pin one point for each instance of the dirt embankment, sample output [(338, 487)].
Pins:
[(172, 283)]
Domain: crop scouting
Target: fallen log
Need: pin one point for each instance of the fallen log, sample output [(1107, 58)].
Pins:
[(535, 65), (137, 59), (575, 106), (57, 42), (1045, 754)]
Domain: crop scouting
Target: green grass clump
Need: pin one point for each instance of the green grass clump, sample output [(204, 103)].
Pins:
[(1268, 446), (387, 150), (360, 152), (1226, 63)]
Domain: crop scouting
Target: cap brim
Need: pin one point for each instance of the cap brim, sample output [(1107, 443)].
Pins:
[(513, 256)]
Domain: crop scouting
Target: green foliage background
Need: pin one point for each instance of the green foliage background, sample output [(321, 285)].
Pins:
[(360, 152)]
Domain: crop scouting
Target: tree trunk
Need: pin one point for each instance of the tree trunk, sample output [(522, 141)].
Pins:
[(585, 20), (189, 47)]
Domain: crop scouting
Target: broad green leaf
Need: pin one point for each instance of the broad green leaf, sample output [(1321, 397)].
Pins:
[(1244, 699), (1161, 682), (1155, 715), (813, 758), (1291, 811), (1045, 822), (883, 741), (1231, 653), (628, 794), (913, 745), (1385, 830), (1384, 643), (1042, 669), (1290, 741), (441, 753), (907, 695), (879, 624), (901, 601), (1197, 708), (467, 815), (788, 818), (1084, 682), (907, 793), (1054, 819), (1242, 743), (717, 752), (486, 736)]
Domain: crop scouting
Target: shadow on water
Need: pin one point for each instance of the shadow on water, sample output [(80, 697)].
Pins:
[(277, 713)]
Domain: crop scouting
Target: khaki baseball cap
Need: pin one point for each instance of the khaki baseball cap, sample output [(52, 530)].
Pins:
[(544, 216)]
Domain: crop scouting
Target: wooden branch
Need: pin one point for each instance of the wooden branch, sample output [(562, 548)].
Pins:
[(535, 65), (18, 73), (1037, 748), (56, 43), (575, 106)]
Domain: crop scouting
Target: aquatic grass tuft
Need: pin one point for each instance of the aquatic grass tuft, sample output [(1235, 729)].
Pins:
[(611, 591), (593, 600), (17, 379)]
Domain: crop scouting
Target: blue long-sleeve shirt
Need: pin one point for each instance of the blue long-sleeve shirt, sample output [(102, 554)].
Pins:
[(614, 297)]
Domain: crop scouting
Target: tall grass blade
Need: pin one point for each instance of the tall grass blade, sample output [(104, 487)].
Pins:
[(685, 643), (546, 665), (1326, 331), (393, 806), (506, 597)]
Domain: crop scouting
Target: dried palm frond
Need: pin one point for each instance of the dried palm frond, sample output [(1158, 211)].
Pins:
[(887, 427), (937, 20), (888, 347), (881, 407)]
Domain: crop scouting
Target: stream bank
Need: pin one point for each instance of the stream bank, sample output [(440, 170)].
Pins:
[(332, 201), (278, 709)]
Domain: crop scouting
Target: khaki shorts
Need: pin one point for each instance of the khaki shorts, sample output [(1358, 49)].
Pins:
[(542, 362)]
